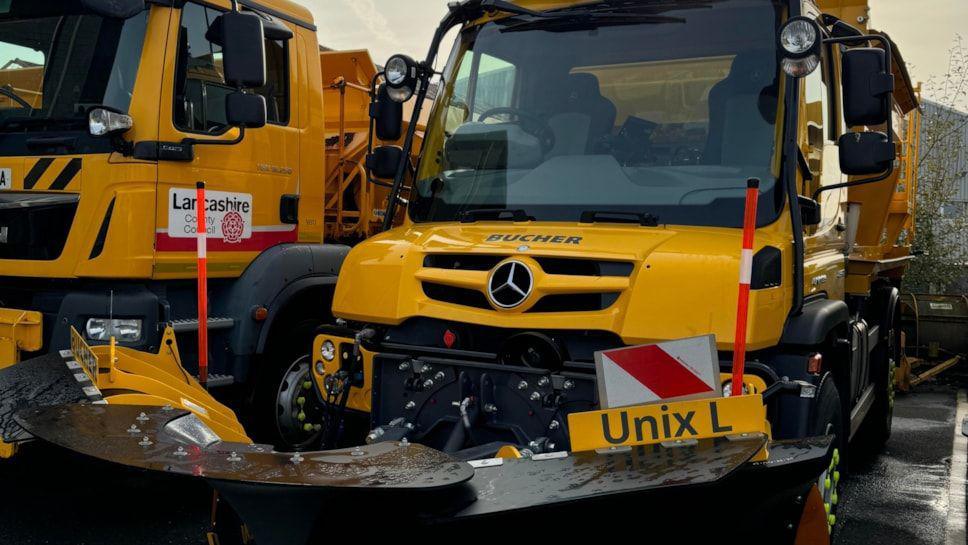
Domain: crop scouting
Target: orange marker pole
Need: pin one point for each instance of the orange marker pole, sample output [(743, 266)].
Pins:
[(745, 276), (201, 236)]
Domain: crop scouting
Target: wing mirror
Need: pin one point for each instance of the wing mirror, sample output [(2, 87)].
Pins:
[(384, 161), (863, 153), (387, 116), (868, 85)]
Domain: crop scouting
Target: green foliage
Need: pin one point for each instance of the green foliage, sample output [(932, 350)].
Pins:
[(941, 224)]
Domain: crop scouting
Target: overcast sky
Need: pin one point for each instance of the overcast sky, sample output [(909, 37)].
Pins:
[(384, 27)]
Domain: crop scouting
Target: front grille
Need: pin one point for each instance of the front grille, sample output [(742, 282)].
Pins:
[(457, 296), (550, 265), (584, 267), (35, 226), (574, 302), (562, 302)]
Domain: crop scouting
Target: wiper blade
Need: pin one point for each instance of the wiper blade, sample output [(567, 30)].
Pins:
[(494, 214), (41, 121), (587, 21), (7, 91), (613, 216)]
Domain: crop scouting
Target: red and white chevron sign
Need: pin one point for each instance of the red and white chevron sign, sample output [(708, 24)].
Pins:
[(673, 370)]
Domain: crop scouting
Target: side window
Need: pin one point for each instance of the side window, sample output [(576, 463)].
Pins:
[(817, 98), (276, 89), (200, 87)]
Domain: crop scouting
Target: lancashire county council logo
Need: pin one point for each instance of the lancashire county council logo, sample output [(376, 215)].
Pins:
[(232, 227)]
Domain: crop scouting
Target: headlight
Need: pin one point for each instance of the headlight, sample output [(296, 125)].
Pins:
[(123, 330), (799, 68), (399, 69), (400, 94), (103, 122), (798, 37), (800, 42), (328, 351)]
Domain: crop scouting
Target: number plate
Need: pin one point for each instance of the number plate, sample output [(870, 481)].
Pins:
[(84, 356), (663, 422)]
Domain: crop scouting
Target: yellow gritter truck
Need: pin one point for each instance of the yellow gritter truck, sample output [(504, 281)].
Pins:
[(110, 112), (580, 189)]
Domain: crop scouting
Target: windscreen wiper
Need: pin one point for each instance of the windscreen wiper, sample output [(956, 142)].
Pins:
[(494, 214), (613, 216), (587, 20), (7, 91), (42, 121)]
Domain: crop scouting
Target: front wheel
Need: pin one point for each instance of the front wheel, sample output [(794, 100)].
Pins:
[(827, 419), (287, 411)]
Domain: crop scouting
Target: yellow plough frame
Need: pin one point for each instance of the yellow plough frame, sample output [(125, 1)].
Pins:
[(127, 377)]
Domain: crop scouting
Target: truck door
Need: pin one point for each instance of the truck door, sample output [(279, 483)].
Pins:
[(248, 183)]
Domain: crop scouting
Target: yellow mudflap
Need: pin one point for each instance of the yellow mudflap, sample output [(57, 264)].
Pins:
[(143, 378)]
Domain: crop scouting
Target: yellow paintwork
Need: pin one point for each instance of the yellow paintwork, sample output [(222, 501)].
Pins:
[(269, 163), (20, 330), (381, 279), (140, 378), (360, 398), (668, 422), (684, 281)]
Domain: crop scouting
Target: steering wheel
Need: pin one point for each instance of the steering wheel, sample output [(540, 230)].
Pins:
[(529, 123)]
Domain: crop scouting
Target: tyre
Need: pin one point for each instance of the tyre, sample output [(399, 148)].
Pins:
[(884, 361), (827, 418), (286, 410)]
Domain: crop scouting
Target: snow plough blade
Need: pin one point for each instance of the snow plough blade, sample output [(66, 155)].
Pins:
[(304, 498)]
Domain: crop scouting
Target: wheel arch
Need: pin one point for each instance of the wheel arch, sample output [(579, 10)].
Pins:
[(277, 279)]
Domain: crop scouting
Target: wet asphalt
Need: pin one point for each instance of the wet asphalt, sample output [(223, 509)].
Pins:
[(50, 497)]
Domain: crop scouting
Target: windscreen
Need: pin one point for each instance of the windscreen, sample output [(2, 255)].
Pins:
[(660, 109), (58, 61)]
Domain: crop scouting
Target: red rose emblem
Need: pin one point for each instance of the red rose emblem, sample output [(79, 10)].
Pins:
[(233, 226)]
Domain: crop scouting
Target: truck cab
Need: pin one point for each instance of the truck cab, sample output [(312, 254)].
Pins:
[(582, 188), (110, 113)]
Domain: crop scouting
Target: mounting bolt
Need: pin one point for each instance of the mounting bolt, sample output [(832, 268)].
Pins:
[(490, 408), (142, 418), (523, 385), (357, 451), (180, 452), (296, 458), (234, 457), (134, 429), (410, 405), (404, 366), (300, 401), (146, 442), (535, 396), (569, 384), (554, 425), (440, 375), (301, 416), (428, 384), (543, 381)]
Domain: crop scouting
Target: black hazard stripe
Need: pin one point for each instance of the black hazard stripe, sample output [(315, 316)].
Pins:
[(66, 175), (62, 180), (38, 170)]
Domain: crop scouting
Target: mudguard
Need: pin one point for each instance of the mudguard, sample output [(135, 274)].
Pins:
[(691, 488)]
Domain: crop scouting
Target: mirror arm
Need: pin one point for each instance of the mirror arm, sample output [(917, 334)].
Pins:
[(888, 50), (455, 17)]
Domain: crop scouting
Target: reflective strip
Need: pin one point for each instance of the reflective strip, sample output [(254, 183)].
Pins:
[(746, 266)]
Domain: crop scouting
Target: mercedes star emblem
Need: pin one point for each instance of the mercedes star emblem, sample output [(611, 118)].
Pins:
[(510, 284)]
